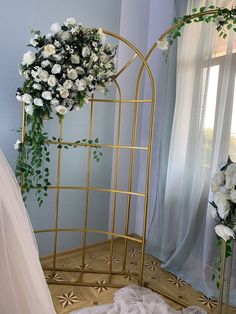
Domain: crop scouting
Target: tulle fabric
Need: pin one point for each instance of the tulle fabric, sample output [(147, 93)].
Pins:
[(23, 286), (138, 300)]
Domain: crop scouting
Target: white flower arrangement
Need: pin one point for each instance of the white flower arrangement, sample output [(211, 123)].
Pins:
[(223, 186), (69, 65)]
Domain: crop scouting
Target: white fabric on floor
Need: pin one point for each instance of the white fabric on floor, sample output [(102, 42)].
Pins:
[(23, 286), (138, 300)]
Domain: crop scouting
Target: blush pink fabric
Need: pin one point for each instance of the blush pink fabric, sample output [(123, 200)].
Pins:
[(23, 286)]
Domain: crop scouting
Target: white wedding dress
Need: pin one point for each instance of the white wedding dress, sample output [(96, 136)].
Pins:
[(23, 286), (138, 300)]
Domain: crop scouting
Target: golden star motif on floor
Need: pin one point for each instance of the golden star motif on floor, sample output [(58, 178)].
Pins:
[(133, 253), (153, 265), (84, 267), (109, 259), (55, 277), (102, 286), (210, 303), (68, 299), (129, 275), (177, 281)]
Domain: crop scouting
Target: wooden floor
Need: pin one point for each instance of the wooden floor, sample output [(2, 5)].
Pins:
[(67, 298)]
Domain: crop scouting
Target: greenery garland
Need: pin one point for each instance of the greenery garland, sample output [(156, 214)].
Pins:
[(69, 65)]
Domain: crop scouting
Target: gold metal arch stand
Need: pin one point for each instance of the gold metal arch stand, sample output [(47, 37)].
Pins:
[(129, 192)]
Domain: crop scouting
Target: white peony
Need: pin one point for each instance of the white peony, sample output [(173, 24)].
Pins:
[(28, 58), (29, 109), (54, 102), (43, 75), (222, 202), (45, 63), (217, 180), (85, 51), (52, 81), (38, 102), (55, 28), (163, 44), (49, 50), (75, 59), (72, 74), (233, 196), (26, 98), (67, 84), (47, 95), (17, 144), (64, 93), (224, 232), (70, 21), (56, 69), (37, 86), (61, 109)]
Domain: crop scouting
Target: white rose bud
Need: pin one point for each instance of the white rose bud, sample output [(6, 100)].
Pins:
[(54, 102), (26, 98), (55, 28), (75, 59), (17, 144), (85, 51), (49, 50), (52, 81), (163, 44), (224, 232), (47, 95), (61, 109), (43, 75), (28, 58), (38, 102), (56, 69), (72, 74), (29, 109), (67, 84), (70, 21)]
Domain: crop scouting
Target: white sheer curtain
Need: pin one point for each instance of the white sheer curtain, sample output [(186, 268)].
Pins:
[(181, 232)]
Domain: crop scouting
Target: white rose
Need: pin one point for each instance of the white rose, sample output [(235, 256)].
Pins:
[(70, 21), (45, 63), (233, 196), (231, 169), (67, 84), (17, 144), (80, 70), (49, 50), (29, 109), (55, 28), (65, 35), (217, 180), (52, 81), (85, 51), (222, 202), (214, 214), (18, 97), (72, 74), (26, 98), (63, 92), (56, 69), (38, 102), (37, 86), (163, 44), (224, 232), (28, 58), (43, 75), (54, 102), (75, 59), (47, 95), (81, 84), (61, 109)]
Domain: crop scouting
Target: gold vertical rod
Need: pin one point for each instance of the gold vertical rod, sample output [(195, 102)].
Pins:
[(88, 182), (115, 179), (23, 123), (228, 279), (222, 277), (57, 195)]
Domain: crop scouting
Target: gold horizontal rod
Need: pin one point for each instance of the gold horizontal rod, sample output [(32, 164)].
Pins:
[(124, 100), (98, 145), (84, 284), (54, 187), (88, 230), (90, 271)]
